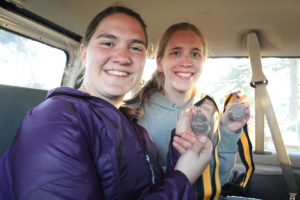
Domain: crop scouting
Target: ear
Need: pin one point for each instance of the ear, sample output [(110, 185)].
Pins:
[(83, 54), (204, 60), (158, 64)]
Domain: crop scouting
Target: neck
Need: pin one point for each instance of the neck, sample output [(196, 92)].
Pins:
[(116, 101), (178, 97)]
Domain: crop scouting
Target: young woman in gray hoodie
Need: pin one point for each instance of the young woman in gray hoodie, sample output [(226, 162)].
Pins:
[(181, 54)]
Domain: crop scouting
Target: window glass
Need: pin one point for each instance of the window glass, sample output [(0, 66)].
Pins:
[(29, 63), (222, 76)]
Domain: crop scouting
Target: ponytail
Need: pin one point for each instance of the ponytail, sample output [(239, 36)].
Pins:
[(155, 84)]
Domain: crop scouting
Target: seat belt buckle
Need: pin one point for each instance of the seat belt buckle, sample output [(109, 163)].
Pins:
[(293, 196), (293, 193)]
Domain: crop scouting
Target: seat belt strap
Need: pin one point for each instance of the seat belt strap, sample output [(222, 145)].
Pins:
[(259, 127), (259, 82)]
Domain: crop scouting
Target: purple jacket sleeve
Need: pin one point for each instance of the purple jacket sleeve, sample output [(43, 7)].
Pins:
[(176, 187), (44, 141)]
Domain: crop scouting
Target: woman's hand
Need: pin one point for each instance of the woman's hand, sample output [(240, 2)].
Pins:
[(186, 141), (184, 124), (234, 125), (195, 160)]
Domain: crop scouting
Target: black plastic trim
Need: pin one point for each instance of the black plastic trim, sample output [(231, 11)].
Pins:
[(253, 84), (36, 18)]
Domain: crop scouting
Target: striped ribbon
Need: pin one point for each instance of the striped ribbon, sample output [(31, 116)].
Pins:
[(245, 149), (207, 187)]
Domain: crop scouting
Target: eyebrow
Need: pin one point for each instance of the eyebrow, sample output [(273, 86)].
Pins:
[(107, 36), (110, 36), (194, 48)]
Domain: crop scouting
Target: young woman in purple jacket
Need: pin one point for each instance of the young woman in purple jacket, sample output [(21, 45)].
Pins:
[(77, 144)]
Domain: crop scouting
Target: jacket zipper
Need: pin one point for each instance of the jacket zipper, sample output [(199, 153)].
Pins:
[(151, 167), (129, 125)]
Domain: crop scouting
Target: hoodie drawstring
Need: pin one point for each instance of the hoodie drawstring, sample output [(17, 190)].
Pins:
[(174, 105)]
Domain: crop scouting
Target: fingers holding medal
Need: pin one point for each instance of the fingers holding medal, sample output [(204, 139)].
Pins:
[(237, 110)]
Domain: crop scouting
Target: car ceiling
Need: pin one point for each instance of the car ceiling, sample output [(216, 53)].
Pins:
[(224, 23)]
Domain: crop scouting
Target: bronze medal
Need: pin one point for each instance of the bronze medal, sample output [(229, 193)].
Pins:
[(199, 124), (237, 111)]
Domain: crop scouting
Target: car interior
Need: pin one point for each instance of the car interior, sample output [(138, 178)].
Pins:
[(253, 46)]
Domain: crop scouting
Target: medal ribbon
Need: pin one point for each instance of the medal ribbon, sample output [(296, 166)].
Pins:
[(211, 186), (245, 148)]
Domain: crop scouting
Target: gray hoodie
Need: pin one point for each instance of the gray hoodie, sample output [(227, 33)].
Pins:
[(160, 117)]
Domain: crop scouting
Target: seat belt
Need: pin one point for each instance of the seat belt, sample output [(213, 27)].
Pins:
[(259, 126), (259, 82)]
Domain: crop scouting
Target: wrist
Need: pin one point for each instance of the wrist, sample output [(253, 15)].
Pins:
[(176, 133), (227, 129)]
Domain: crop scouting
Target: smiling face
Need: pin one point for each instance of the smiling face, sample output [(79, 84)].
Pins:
[(182, 62), (114, 58)]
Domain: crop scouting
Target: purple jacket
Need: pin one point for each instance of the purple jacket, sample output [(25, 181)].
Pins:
[(76, 146)]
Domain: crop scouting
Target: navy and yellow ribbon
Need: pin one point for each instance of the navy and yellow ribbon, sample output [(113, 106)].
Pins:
[(245, 149), (208, 187)]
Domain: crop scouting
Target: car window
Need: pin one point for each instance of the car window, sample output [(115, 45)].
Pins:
[(222, 76), (291, 128), (28, 63)]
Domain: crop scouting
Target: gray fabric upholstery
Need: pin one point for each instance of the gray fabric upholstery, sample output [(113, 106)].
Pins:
[(15, 102)]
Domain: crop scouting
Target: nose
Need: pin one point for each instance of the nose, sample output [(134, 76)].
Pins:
[(122, 56), (186, 61)]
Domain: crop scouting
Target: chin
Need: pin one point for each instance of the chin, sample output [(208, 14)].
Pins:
[(183, 88), (117, 92)]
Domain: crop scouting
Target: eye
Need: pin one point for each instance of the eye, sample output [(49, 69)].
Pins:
[(196, 55), (136, 48), (107, 44), (176, 53)]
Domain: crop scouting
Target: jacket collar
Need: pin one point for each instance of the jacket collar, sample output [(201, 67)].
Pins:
[(82, 95), (68, 91)]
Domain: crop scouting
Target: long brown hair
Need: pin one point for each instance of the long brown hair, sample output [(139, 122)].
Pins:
[(156, 82)]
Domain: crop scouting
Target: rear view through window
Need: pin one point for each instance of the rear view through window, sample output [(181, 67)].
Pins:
[(232, 74), (222, 76), (29, 63)]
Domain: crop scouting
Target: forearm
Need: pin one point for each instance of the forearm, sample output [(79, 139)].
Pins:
[(227, 150)]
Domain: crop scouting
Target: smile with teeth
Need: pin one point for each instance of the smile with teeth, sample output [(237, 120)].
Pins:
[(118, 73), (184, 74)]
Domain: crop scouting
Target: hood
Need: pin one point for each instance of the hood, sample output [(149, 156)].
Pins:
[(82, 95), (67, 91)]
